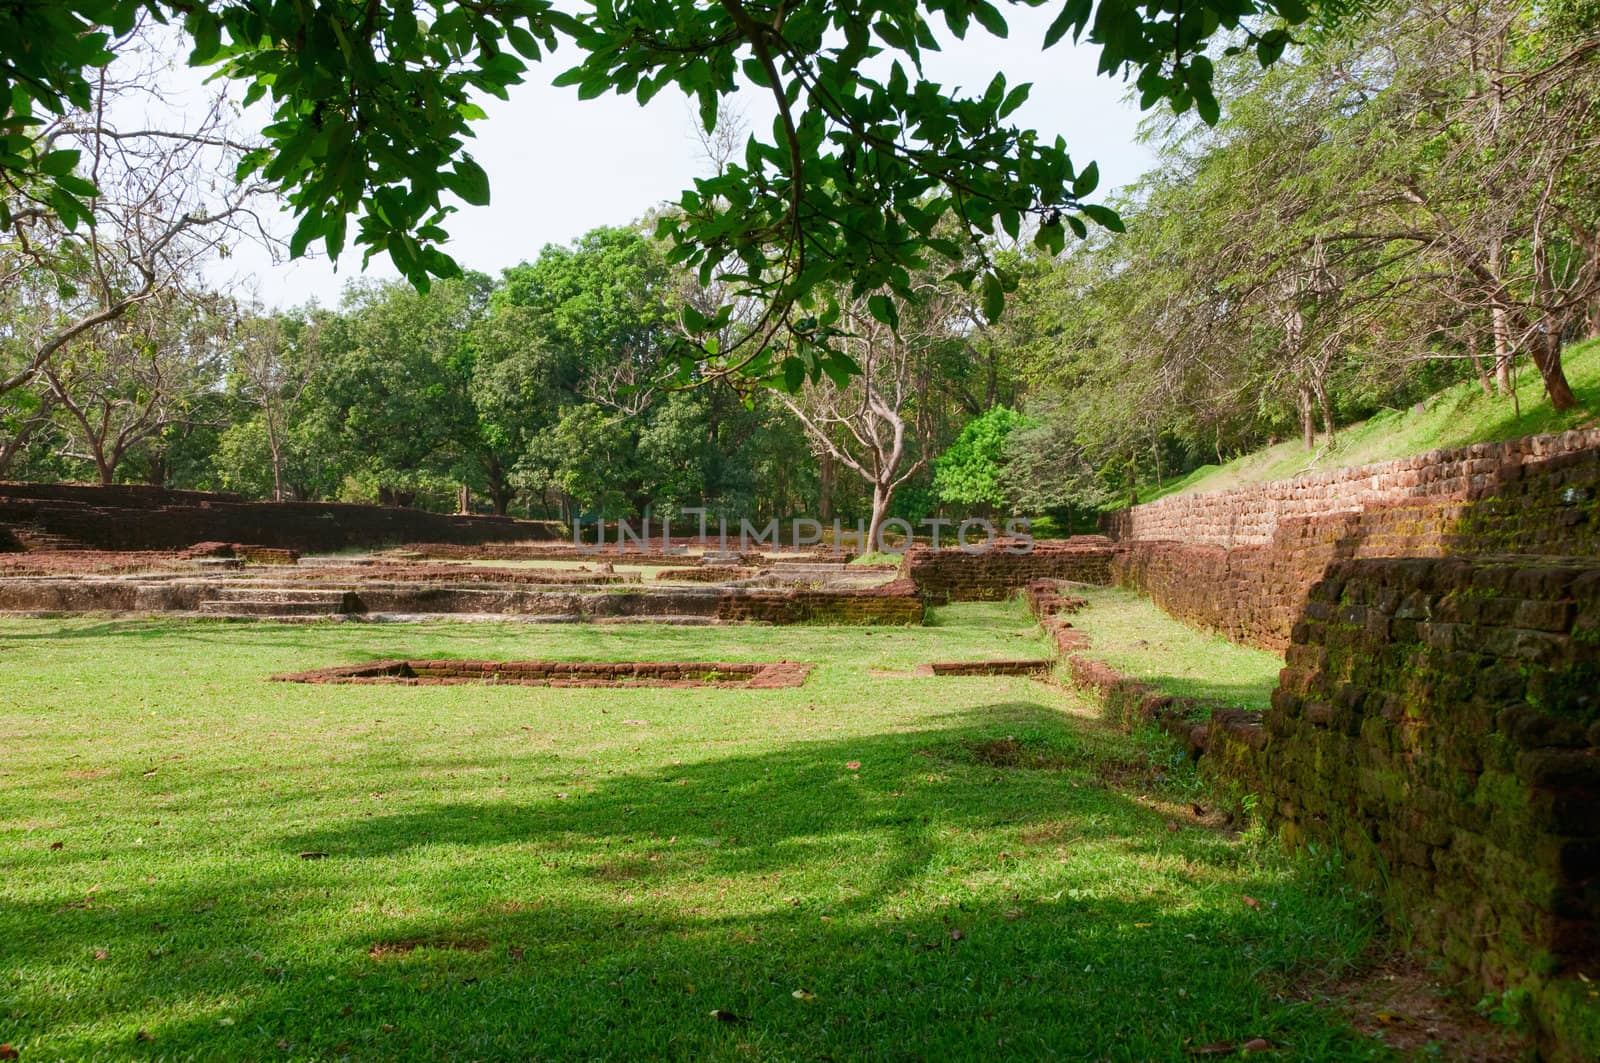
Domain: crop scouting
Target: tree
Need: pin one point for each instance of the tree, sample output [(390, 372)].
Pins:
[(606, 308), (970, 472), (1048, 471), (391, 391), (869, 422), (271, 369), (122, 219), (373, 103), (120, 386)]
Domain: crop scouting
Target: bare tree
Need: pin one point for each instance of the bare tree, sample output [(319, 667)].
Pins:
[(272, 371), (874, 424), (125, 382), (159, 202)]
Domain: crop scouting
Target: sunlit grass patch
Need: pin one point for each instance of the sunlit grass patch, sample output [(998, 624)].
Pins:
[(865, 867)]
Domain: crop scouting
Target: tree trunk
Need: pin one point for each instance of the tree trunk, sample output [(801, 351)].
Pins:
[(275, 449), (1326, 405), (880, 509), (1308, 427), (1478, 363), (1501, 324), (825, 488), (1547, 357)]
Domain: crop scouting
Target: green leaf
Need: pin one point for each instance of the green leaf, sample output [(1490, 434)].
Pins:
[(994, 297), (794, 374), (1087, 181), (1073, 16), (1105, 216), (1016, 98), (990, 19), (469, 182), (57, 163), (78, 186), (882, 307)]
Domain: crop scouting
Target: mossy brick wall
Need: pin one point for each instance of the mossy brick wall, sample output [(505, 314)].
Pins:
[(895, 603), (1539, 496), (952, 575), (1250, 515), (1439, 720), (128, 518)]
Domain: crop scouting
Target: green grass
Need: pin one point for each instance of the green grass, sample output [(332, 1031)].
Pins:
[(1132, 635), (1455, 417), (876, 557), (863, 867)]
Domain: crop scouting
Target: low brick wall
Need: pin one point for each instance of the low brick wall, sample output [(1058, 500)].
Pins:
[(952, 575), (895, 603), (128, 518), (1439, 720), (1250, 515), (707, 574), (1542, 497), (437, 590), (771, 675)]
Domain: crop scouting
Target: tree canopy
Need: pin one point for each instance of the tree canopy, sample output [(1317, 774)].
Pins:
[(869, 172)]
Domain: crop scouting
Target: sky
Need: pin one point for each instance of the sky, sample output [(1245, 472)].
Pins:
[(560, 166)]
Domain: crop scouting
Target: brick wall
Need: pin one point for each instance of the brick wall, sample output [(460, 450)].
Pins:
[(895, 603), (1439, 720), (951, 575), (133, 518), (1250, 515), (530, 595), (1537, 496)]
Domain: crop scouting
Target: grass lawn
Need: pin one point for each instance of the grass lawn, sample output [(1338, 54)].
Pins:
[(1132, 635), (1455, 417), (863, 867)]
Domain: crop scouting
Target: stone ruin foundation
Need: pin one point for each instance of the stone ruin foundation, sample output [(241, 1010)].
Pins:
[(444, 672)]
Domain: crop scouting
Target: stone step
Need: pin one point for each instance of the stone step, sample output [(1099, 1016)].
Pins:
[(35, 539), (248, 607), (257, 593), (807, 571)]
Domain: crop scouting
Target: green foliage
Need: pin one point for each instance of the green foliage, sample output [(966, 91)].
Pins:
[(372, 106), (47, 53), (970, 472), (863, 178), (1457, 416), (1337, 245), (392, 383)]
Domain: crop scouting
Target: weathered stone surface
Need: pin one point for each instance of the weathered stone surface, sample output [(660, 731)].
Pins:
[(1459, 771), (951, 575), (1251, 562), (448, 671), (129, 517)]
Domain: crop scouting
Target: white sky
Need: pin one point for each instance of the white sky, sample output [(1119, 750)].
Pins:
[(560, 166)]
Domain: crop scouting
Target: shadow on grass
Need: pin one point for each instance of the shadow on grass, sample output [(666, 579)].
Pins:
[(882, 896)]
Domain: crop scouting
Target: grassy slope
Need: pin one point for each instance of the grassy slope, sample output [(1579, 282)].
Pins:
[(1454, 417), (516, 872), (1132, 635)]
